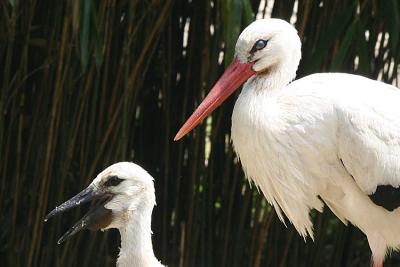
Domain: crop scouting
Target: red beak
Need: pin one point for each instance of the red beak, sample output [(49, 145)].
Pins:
[(234, 76)]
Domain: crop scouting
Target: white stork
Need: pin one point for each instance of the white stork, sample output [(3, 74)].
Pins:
[(329, 136), (125, 200)]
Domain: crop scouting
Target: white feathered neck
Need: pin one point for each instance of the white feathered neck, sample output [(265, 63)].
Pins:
[(136, 243)]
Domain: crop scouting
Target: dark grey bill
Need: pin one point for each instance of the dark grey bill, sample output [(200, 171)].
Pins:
[(88, 194), (98, 217), (90, 220)]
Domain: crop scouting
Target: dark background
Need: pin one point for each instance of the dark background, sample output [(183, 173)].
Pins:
[(84, 84)]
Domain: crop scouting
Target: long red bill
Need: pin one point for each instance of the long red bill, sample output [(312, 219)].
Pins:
[(234, 76)]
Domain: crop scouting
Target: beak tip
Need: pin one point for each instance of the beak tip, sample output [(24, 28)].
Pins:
[(179, 135), (49, 215), (234, 76), (62, 239)]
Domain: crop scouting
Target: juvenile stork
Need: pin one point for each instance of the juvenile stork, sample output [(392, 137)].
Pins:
[(329, 136), (124, 194)]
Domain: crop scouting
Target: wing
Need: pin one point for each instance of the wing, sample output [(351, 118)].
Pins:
[(369, 134)]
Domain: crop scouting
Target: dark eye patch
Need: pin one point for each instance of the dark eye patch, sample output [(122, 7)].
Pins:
[(258, 45), (113, 181)]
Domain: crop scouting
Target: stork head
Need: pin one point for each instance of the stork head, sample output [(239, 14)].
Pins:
[(119, 192), (265, 47), (269, 44)]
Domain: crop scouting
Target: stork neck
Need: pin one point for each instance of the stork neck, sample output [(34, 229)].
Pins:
[(136, 244), (273, 79)]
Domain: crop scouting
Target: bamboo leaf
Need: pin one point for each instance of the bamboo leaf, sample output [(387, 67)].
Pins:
[(85, 33), (362, 49), (98, 43), (344, 47), (233, 22), (330, 34), (394, 22), (247, 12)]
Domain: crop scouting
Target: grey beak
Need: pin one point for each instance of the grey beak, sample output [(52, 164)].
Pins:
[(96, 218), (86, 195), (88, 221)]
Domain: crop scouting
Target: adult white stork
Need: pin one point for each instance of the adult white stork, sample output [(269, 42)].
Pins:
[(328, 136), (125, 200)]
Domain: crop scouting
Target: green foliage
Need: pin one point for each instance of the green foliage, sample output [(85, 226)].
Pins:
[(88, 83)]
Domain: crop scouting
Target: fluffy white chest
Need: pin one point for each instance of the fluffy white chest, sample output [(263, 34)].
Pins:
[(284, 150)]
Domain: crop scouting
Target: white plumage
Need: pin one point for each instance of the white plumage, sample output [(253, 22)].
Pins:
[(329, 136), (125, 200)]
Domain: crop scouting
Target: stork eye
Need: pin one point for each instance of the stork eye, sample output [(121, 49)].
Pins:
[(113, 181), (260, 44)]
